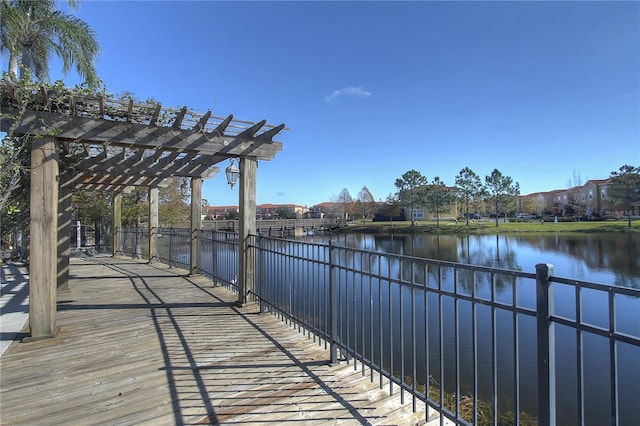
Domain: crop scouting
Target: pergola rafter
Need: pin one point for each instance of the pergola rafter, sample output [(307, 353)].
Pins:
[(110, 183), (114, 145), (159, 163), (76, 129)]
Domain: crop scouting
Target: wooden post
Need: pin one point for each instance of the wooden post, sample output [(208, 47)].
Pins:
[(117, 224), (154, 194), (196, 224), (64, 230), (247, 227), (44, 231)]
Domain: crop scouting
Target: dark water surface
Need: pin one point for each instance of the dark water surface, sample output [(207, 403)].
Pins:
[(610, 259)]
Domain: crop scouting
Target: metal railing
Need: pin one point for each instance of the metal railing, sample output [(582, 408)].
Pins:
[(218, 250), (134, 242), (479, 345), (219, 257), (266, 226)]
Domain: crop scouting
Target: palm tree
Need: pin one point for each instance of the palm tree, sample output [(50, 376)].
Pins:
[(30, 30)]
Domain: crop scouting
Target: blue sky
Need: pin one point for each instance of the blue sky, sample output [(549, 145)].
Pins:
[(370, 90)]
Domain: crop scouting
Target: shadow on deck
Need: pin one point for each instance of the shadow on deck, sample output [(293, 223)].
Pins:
[(143, 343)]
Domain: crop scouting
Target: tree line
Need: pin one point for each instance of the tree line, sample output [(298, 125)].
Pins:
[(496, 192), (415, 191)]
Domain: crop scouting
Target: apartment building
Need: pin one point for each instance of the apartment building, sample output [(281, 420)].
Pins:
[(270, 211), (590, 199), (218, 212)]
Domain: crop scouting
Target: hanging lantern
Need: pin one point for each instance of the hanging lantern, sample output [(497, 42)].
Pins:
[(232, 173)]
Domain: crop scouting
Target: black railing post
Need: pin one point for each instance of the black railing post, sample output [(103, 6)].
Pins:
[(546, 346), (333, 309), (261, 289), (171, 230), (214, 260)]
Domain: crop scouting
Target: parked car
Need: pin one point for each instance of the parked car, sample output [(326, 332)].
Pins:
[(472, 215), (526, 216)]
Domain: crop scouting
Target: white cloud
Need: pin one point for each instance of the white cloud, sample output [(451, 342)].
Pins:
[(348, 91)]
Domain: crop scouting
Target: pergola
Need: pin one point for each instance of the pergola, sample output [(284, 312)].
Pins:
[(113, 146)]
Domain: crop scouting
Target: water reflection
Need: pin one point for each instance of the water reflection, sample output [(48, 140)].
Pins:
[(603, 258), (400, 302)]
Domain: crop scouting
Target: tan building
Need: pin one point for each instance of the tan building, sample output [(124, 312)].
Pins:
[(597, 196), (217, 212), (325, 210), (447, 211), (540, 203), (269, 211), (590, 199)]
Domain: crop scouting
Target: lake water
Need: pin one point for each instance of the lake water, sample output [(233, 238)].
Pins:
[(612, 259)]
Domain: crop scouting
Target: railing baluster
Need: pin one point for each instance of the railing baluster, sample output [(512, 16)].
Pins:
[(494, 353), (579, 357), (441, 402), (414, 354), (546, 346), (456, 342), (380, 328), (333, 308), (474, 347), (613, 371), (516, 355), (171, 263), (401, 331)]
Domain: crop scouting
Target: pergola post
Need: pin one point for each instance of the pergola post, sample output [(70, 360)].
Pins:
[(247, 227), (44, 231), (153, 223), (196, 224), (64, 229), (117, 224)]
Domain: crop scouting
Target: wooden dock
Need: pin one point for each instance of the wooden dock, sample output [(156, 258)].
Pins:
[(145, 344)]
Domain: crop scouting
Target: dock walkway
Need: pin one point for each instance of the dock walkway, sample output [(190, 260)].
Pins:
[(146, 344)]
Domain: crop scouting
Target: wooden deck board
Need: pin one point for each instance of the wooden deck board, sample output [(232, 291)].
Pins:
[(144, 344)]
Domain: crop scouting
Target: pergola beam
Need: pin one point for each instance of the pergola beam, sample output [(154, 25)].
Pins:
[(134, 135), (203, 122), (222, 127), (116, 183), (179, 117)]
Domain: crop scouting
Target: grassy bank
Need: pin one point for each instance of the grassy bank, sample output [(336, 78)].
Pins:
[(488, 227)]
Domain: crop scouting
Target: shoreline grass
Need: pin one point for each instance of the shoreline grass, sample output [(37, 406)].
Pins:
[(488, 227)]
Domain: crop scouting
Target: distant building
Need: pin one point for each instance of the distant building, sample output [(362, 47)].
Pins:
[(324, 210), (270, 211), (217, 212), (540, 203), (447, 211), (263, 211), (591, 199)]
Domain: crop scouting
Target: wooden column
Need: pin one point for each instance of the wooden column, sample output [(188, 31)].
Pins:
[(64, 229), (196, 224), (117, 223), (153, 224), (247, 201), (44, 231)]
